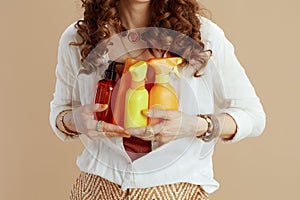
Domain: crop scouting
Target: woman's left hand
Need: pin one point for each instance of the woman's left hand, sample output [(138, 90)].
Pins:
[(174, 124)]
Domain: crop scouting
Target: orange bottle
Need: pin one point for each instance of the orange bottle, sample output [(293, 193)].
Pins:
[(162, 95)]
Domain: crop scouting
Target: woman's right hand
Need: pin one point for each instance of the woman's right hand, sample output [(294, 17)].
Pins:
[(82, 120)]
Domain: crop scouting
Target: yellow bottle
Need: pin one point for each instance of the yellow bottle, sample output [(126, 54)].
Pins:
[(121, 89), (136, 98), (162, 95)]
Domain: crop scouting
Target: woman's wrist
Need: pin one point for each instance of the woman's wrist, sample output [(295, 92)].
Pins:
[(202, 127), (213, 127), (229, 127), (69, 121), (65, 123)]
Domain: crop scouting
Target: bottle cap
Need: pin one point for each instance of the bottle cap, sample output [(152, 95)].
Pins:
[(110, 72), (138, 71)]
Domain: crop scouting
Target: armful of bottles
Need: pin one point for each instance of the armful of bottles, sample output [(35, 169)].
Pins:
[(143, 85)]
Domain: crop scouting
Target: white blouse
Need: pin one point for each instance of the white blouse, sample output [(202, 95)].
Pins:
[(224, 88)]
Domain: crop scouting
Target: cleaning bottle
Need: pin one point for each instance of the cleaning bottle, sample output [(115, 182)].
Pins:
[(104, 93), (162, 95), (136, 98), (120, 92)]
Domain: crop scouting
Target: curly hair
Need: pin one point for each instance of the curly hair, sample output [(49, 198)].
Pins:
[(181, 16)]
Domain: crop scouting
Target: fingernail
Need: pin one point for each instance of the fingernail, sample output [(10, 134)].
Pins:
[(145, 112), (126, 132), (104, 106), (127, 136)]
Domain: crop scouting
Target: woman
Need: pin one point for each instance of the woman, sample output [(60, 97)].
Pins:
[(217, 101)]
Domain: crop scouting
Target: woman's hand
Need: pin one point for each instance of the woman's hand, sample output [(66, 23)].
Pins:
[(175, 124), (82, 120)]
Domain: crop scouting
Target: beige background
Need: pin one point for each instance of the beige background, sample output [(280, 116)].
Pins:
[(35, 164)]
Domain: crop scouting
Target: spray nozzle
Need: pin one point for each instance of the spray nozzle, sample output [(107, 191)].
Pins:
[(176, 72), (138, 71), (166, 65)]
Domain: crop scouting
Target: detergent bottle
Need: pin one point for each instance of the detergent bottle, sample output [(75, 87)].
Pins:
[(162, 95), (120, 92), (136, 98)]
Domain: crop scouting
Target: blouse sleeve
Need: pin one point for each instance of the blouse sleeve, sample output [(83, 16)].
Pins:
[(233, 91), (65, 95)]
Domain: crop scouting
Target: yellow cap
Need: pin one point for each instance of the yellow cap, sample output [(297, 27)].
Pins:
[(138, 71)]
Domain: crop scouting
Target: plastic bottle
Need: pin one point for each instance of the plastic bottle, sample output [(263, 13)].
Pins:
[(162, 95), (120, 92), (136, 98), (104, 93)]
